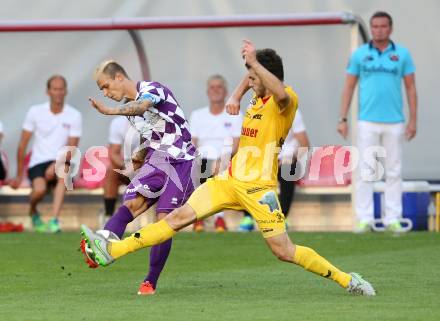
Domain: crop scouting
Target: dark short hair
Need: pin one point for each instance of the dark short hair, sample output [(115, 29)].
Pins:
[(382, 14), (53, 77), (112, 68), (270, 60)]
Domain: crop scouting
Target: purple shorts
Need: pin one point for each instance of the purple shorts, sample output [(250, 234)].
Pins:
[(167, 184)]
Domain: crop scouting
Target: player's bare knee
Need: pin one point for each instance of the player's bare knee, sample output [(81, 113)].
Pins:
[(130, 205), (282, 254), (135, 206), (173, 219), (176, 218), (283, 251), (181, 217)]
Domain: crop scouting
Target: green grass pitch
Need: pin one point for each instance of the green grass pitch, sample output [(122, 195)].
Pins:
[(227, 276)]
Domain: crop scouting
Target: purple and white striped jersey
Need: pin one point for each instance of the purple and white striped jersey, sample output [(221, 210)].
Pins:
[(164, 127)]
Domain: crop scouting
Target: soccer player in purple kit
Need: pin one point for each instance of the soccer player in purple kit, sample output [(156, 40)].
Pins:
[(167, 156)]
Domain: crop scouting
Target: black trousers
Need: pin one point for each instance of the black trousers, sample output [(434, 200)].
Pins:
[(287, 188), (2, 170), (205, 170)]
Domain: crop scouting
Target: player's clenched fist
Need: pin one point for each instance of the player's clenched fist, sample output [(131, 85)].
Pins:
[(232, 106)]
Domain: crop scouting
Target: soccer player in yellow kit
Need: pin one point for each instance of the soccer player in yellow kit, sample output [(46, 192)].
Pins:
[(250, 182)]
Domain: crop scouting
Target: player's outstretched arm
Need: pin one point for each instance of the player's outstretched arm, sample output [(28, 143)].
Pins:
[(233, 102), (132, 108), (269, 80)]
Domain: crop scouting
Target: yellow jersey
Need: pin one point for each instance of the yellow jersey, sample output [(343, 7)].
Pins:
[(263, 132)]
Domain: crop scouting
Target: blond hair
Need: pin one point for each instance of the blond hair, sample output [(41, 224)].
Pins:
[(110, 68)]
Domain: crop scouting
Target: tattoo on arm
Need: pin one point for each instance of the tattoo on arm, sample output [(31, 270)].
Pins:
[(133, 108)]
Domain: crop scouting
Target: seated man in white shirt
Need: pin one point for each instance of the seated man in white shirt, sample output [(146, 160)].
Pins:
[(53, 125), (216, 135)]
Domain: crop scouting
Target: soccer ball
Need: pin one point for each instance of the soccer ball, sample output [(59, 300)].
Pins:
[(108, 235), (87, 251)]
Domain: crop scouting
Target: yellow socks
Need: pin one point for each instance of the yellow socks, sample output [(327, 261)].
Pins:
[(313, 262), (147, 236), (161, 231)]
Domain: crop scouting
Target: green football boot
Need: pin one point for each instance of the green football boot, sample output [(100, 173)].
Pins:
[(53, 226), (98, 243), (37, 223)]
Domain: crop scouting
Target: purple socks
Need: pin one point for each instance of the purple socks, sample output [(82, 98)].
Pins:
[(118, 222), (158, 257), (158, 253)]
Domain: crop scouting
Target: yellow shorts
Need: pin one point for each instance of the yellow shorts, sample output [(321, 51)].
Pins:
[(225, 192)]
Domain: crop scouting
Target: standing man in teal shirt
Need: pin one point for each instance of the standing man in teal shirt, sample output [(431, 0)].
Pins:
[(380, 66)]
